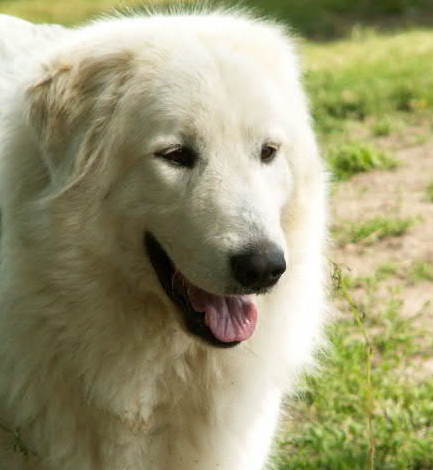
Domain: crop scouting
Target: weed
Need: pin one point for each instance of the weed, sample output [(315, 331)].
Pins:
[(351, 158), (375, 229), (337, 408), (330, 18), (382, 128), (378, 77), (370, 283), (369, 403), (385, 271), (420, 271)]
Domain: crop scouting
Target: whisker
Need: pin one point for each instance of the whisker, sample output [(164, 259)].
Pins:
[(173, 279)]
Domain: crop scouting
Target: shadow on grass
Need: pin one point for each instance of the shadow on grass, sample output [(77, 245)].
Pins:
[(330, 19)]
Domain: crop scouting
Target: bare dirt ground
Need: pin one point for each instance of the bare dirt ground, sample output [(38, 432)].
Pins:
[(393, 194)]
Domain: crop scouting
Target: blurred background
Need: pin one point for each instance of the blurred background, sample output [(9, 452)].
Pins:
[(319, 19), (369, 74)]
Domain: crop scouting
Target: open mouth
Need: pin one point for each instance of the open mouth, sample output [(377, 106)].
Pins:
[(222, 321)]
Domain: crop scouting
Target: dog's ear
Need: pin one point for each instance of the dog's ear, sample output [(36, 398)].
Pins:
[(71, 108)]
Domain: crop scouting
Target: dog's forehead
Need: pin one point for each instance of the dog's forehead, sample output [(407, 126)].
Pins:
[(209, 87)]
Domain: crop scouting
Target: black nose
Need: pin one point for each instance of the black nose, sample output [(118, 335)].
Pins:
[(259, 267)]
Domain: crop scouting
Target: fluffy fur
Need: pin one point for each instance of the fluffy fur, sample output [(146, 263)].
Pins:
[(97, 371)]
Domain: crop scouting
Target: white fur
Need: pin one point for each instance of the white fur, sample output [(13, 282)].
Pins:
[(96, 368)]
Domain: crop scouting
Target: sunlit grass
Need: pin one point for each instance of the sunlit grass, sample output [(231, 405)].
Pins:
[(421, 271), (65, 12), (375, 229), (375, 76), (351, 158), (383, 127), (338, 423)]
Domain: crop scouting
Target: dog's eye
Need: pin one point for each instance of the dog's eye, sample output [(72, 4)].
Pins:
[(179, 156), (268, 153)]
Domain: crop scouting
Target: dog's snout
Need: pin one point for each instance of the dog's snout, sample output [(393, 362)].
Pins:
[(259, 267)]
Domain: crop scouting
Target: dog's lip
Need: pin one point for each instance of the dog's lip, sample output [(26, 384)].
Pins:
[(178, 289)]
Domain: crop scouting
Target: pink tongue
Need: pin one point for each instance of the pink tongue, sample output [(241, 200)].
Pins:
[(230, 318)]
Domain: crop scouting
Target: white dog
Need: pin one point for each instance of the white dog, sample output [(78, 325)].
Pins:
[(163, 226)]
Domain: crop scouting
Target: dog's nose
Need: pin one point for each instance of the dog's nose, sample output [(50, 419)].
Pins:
[(259, 267)]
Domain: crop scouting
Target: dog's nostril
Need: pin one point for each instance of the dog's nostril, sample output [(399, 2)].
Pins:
[(259, 267), (277, 272)]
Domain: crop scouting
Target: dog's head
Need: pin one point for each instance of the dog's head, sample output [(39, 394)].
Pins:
[(173, 140)]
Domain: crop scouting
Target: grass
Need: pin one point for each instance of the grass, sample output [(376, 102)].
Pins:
[(351, 158), (373, 82), (321, 18), (65, 12), (370, 76), (333, 430), (421, 271), (331, 18), (386, 270), (383, 127), (372, 230), (417, 271)]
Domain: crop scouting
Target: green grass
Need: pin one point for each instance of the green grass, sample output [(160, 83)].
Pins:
[(421, 271), (370, 76), (331, 18), (65, 11), (351, 158), (333, 432), (383, 127), (375, 229), (417, 271), (317, 18), (386, 270), (369, 283), (380, 82)]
